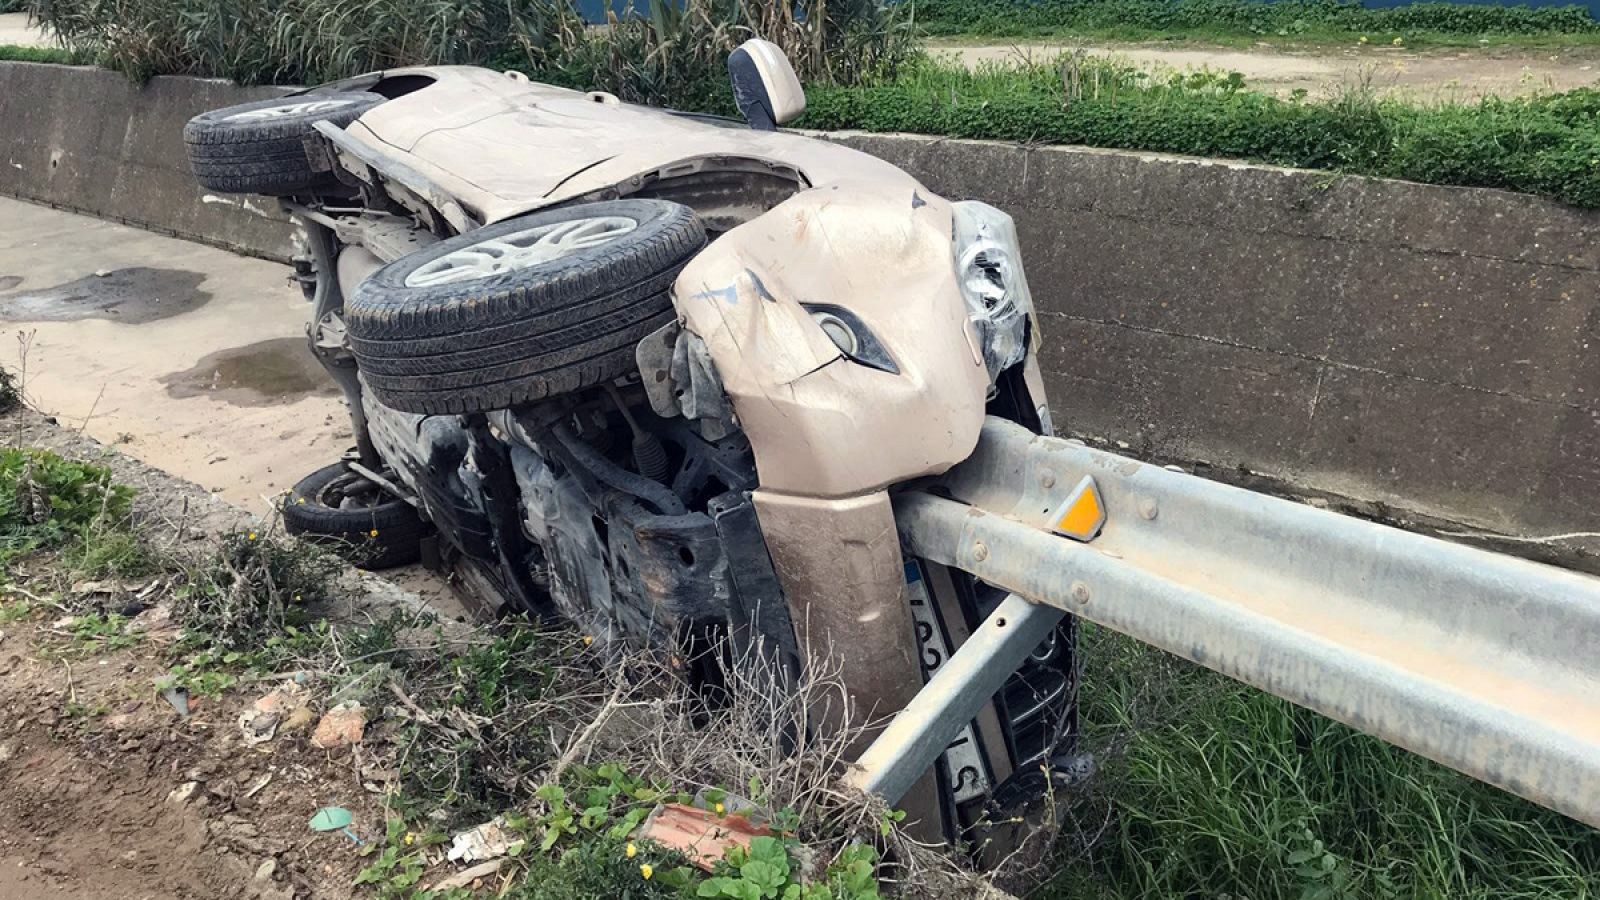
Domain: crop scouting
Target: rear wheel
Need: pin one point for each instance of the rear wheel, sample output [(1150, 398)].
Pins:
[(521, 310), (260, 147), (354, 517)]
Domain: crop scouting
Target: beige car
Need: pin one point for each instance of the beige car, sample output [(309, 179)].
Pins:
[(659, 374)]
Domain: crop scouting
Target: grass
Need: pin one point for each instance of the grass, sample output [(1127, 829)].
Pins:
[(48, 503), (17, 53), (1210, 788), (1311, 39), (1300, 22), (1547, 145)]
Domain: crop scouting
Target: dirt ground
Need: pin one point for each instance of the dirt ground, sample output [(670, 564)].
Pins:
[(107, 792), (91, 755), (1433, 75)]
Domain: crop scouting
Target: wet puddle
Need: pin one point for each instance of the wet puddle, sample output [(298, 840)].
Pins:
[(263, 374), (133, 296)]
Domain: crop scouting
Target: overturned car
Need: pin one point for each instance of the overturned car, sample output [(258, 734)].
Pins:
[(659, 374)]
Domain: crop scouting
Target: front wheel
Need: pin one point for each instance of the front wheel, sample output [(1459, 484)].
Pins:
[(524, 309)]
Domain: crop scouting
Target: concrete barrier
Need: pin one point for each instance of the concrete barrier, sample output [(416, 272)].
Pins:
[(1401, 350), (90, 140), (1426, 351)]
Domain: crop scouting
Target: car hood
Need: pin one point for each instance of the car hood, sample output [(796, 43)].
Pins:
[(502, 145)]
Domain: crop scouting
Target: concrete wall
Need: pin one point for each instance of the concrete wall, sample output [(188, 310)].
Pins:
[(1433, 350), (1406, 350), (92, 141)]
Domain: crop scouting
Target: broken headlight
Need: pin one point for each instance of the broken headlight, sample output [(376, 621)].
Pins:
[(989, 266), (853, 338)]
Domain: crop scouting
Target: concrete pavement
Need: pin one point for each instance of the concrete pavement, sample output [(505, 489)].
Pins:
[(15, 29), (187, 357)]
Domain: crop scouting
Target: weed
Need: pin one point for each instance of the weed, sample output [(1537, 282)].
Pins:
[(48, 502), (1212, 788), (53, 55), (199, 679), (1544, 145), (10, 391), (84, 712), (251, 590), (677, 57), (399, 862), (765, 870), (15, 611), (95, 634), (1247, 18)]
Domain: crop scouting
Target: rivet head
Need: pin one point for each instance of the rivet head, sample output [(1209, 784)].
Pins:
[(1148, 507), (980, 551), (1047, 479), (1080, 592)]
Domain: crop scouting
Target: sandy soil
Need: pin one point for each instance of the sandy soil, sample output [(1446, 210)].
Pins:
[(1431, 75)]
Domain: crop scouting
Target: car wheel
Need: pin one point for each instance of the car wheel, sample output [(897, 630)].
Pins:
[(259, 148), (521, 310), (342, 510)]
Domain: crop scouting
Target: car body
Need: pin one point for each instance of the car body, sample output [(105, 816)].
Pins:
[(839, 333)]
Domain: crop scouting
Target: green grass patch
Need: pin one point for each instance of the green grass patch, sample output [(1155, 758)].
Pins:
[(49, 503), (1547, 145), (1212, 789), (10, 390), (574, 843), (18, 53), (1310, 39), (1310, 20)]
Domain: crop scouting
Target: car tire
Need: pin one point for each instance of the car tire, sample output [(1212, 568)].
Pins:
[(521, 310), (337, 508), (260, 147)]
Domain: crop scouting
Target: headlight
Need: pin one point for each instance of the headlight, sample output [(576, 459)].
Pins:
[(989, 266)]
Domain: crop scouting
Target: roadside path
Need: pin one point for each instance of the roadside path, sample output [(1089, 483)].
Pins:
[(15, 29), (1430, 75), (188, 358)]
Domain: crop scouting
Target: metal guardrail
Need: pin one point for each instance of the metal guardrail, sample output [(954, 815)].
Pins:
[(1486, 663)]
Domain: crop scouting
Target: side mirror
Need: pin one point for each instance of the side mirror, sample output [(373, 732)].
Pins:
[(765, 87)]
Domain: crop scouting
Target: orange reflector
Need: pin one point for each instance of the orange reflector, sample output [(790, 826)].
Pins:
[(1083, 515)]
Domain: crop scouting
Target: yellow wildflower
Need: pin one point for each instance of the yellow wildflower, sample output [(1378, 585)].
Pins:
[(411, 838), (647, 870), (632, 850), (721, 809), (372, 533), (252, 535)]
